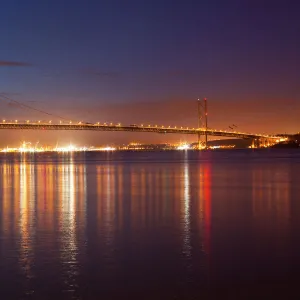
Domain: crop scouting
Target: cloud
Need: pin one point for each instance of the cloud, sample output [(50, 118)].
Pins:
[(5, 63)]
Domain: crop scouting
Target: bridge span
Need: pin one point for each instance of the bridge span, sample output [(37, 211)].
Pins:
[(132, 128)]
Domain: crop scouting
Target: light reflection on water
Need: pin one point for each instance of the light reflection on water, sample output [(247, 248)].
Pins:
[(69, 247), (26, 187), (186, 212), (75, 226)]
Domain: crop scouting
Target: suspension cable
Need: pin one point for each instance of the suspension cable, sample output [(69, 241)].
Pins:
[(2, 97)]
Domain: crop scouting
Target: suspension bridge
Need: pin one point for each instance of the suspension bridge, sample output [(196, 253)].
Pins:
[(201, 130), (38, 125)]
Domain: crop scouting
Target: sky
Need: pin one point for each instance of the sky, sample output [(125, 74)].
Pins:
[(149, 62)]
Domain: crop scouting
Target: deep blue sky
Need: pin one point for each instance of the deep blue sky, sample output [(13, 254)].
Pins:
[(148, 61)]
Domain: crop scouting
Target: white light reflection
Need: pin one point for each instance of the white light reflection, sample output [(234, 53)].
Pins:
[(186, 217), (6, 198), (107, 215), (73, 193), (69, 246), (27, 219)]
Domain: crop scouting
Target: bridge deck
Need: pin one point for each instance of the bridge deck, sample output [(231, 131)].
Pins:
[(145, 129)]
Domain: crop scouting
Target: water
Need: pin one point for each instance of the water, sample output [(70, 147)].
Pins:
[(152, 225)]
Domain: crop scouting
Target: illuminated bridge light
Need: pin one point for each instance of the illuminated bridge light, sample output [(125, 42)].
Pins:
[(3, 121)]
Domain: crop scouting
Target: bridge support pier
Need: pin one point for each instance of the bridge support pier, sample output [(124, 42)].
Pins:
[(199, 141), (256, 143), (262, 143)]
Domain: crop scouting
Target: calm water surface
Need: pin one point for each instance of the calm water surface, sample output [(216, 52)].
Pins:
[(169, 225)]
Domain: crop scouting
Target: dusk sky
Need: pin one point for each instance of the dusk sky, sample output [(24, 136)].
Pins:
[(148, 62)]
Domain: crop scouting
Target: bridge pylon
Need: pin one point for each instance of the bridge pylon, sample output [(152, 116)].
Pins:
[(202, 123)]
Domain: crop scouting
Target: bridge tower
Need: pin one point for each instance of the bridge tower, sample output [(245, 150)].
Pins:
[(202, 122)]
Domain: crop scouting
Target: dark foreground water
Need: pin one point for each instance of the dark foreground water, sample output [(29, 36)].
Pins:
[(169, 225)]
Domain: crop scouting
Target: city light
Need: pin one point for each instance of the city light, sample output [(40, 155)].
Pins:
[(69, 148), (183, 147), (105, 149), (26, 147)]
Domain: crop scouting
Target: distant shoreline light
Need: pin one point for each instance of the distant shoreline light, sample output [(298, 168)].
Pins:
[(69, 148), (183, 147)]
